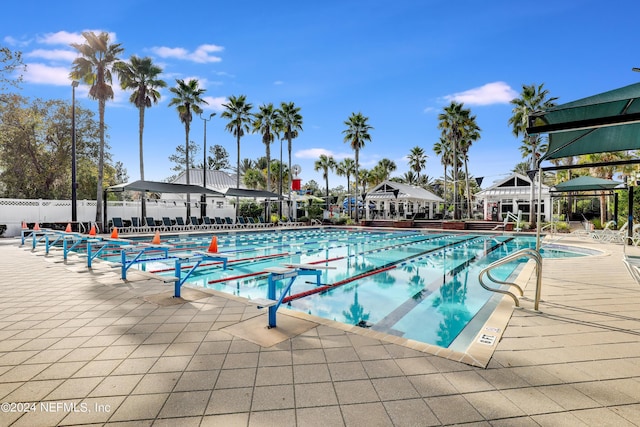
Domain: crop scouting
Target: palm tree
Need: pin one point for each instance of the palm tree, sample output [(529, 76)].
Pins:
[(471, 134), (267, 122), (357, 133), (386, 167), (245, 165), (454, 122), (443, 149), (187, 99), (290, 125), (141, 76), (532, 98), (325, 164), (93, 67), (417, 160), (347, 167), (238, 112)]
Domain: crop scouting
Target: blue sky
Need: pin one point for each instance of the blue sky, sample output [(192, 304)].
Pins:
[(398, 62)]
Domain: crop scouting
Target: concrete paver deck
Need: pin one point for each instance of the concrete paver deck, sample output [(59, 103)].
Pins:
[(81, 347)]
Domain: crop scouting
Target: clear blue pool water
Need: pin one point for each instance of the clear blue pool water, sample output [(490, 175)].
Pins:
[(415, 284)]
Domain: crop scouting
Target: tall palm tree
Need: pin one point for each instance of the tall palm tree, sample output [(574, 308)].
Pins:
[(442, 148), (356, 134), (347, 167), (238, 112), (187, 99), (142, 77), (454, 121), (417, 160), (325, 164), (93, 67), (267, 122), (290, 125), (386, 166), (470, 135), (532, 98), (245, 165)]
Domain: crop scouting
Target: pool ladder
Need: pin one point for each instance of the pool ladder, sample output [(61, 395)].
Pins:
[(523, 253)]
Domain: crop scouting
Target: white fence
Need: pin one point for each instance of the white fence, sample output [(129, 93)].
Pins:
[(14, 211)]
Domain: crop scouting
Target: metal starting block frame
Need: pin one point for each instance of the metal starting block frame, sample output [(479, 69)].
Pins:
[(289, 271), (138, 251), (196, 259)]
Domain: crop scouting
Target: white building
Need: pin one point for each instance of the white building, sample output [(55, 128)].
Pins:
[(512, 194)]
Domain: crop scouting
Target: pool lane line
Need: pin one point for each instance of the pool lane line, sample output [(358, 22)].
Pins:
[(231, 261), (387, 322), (389, 266)]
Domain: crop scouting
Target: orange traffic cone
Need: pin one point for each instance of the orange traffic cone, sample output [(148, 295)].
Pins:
[(92, 232), (114, 233), (24, 225), (156, 238), (213, 247), (68, 229), (36, 227)]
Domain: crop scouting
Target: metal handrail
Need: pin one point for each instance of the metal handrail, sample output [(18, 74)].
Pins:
[(528, 253)]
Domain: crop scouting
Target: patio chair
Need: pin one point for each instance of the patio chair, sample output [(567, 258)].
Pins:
[(209, 225), (150, 223), (118, 223), (229, 222), (136, 225), (168, 225), (195, 224), (180, 224), (240, 223), (254, 223), (221, 223), (265, 223)]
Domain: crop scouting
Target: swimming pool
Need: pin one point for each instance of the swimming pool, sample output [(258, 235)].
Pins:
[(414, 284)]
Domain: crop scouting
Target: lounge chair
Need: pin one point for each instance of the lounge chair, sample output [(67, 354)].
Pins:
[(208, 224), (136, 225), (229, 222), (221, 223), (150, 223), (254, 223), (266, 224), (180, 224), (119, 224), (240, 222), (195, 224)]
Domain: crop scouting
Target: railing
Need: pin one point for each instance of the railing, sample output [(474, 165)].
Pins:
[(526, 253)]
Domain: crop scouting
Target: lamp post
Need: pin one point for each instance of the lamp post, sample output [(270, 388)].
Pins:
[(280, 185), (74, 195), (203, 199)]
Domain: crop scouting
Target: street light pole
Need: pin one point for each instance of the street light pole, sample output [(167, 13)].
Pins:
[(203, 199), (280, 185), (74, 194)]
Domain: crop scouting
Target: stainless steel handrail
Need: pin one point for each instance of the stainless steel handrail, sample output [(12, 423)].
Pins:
[(528, 253)]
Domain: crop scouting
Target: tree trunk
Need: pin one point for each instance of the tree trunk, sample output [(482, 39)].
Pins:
[(99, 207), (143, 198), (186, 151)]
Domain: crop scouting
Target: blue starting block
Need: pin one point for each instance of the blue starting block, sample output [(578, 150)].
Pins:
[(137, 251), (289, 271), (196, 259)]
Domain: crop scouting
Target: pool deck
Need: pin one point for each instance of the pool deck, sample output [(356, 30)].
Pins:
[(128, 354)]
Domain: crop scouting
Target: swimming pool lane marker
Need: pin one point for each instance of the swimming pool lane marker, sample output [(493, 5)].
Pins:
[(386, 267)]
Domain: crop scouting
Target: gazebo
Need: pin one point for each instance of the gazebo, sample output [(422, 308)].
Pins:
[(392, 200), (510, 195)]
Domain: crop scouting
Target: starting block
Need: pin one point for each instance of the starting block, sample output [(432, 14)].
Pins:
[(288, 271), (196, 259)]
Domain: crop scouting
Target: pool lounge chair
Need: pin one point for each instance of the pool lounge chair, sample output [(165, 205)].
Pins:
[(240, 222), (229, 222), (180, 224), (118, 223), (221, 223), (136, 225), (195, 223), (150, 223), (208, 224), (265, 223)]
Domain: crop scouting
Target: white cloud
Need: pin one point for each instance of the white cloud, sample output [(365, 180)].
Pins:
[(45, 74), (278, 82), (312, 153), (201, 55), (66, 38), (215, 103), (490, 93), (12, 41), (53, 55)]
